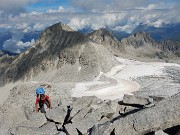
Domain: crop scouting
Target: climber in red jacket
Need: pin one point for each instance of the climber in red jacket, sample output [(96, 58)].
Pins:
[(42, 99)]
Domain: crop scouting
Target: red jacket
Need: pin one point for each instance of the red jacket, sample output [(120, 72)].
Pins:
[(44, 100)]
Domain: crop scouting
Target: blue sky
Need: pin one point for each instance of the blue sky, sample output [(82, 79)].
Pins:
[(44, 5)]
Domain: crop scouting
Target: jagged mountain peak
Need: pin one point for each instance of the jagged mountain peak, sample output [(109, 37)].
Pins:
[(139, 39), (60, 26), (104, 36), (102, 32), (141, 34), (56, 31), (58, 36)]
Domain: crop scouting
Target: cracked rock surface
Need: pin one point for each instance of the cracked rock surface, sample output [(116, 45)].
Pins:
[(101, 117)]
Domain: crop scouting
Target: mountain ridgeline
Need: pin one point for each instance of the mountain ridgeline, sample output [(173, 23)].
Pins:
[(76, 57), (72, 55)]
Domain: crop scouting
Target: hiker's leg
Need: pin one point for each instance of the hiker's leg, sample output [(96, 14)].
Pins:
[(41, 107), (42, 110), (47, 103)]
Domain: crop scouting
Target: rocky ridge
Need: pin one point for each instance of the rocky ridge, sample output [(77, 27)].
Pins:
[(57, 47), (139, 39), (141, 46), (90, 115), (142, 40), (137, 46)]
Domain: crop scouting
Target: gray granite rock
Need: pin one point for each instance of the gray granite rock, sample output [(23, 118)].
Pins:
[(139, 100), (51, 127), (31, 131), (71, 129), (163, 115), (81, 103), (82, 114), (36, 120), (57, 115)]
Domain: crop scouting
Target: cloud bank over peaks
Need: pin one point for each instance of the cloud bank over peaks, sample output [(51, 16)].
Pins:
[(94, 14), (60, 9), (15, 45)]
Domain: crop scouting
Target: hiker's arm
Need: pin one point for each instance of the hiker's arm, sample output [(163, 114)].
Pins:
[(36, 106), (50, 104)]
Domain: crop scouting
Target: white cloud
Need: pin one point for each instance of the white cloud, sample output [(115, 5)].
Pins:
[(12, 8), (100, 14), (15, 45), (38, 27), (108, 5), (95, 21), (25, 44), (60, 9)]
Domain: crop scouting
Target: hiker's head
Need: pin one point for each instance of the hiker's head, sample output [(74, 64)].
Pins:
[(40, 91)]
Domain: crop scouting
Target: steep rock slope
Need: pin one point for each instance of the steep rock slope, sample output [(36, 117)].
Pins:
[(106, 38), (59, 47), (5, 61), (139, 39)]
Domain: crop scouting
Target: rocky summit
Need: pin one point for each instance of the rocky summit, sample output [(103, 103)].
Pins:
[(96, 84)]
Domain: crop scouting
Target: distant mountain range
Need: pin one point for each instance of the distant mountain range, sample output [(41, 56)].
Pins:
[(161, 34), (167, 32)]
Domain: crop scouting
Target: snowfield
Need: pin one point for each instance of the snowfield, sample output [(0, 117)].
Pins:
[(123, 76), (112, 85)]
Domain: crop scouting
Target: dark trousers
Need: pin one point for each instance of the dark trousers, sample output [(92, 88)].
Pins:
[(41, 106)]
